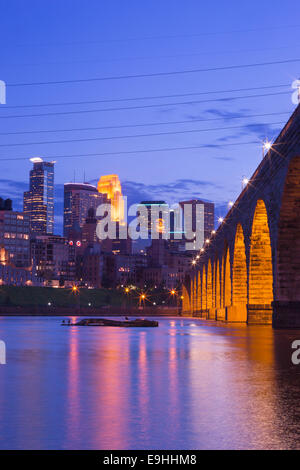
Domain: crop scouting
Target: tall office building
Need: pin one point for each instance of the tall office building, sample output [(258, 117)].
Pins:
[(156, 215), (110, 186), (203, 218), (78, 199), (39, 200)]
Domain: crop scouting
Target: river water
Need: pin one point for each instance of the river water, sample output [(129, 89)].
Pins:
[(187, 384)]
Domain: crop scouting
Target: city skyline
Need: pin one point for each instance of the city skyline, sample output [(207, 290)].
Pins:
[(264, 93)]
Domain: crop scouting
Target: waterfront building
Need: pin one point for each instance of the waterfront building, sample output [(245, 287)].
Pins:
[(92, 266), (78, 199), (53, 257), (39, 200), (14, 236)]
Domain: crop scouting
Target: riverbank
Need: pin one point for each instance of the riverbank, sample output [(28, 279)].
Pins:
[(106, 311)]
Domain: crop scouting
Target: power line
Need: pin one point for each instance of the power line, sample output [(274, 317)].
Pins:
[(160, 37), (67, 103), (189, 131), (146, 106), (155, 74), (131, 152), (154, 57), (149, 124)]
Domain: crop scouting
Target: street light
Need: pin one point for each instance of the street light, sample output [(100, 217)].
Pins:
[(220, 220), (230, 203)]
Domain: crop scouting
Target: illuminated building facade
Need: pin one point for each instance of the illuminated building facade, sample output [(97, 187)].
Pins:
[(78, 199), (110, 186), (39, 200), (14, 237)]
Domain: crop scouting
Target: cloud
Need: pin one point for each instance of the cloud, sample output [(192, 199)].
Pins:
[(172, 192)]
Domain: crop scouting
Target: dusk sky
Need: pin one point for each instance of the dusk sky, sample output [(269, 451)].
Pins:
[(65, 41)]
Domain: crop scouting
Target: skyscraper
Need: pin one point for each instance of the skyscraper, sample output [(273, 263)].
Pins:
[(110, 185), (78, 199), (39, 200), (203, 219)]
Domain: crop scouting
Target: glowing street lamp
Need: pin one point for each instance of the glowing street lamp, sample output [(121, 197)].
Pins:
[(230, 203), (207, 241), (194, 262), (74, 289), (213, 232), (220, 220)]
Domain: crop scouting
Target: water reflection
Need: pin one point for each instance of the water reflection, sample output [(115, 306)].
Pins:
[(185, 384)]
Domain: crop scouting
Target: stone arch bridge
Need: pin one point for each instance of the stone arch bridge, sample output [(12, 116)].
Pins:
[(250, 269)]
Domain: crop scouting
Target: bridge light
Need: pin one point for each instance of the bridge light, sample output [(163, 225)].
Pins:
[(220, 220), (207, 241), (245, 181), (202, 249), (197, 257), (230, 203), (213, 232), (267, 145), (194, 262)]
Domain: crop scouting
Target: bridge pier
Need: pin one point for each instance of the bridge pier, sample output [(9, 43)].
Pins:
[(259, 314), (286, 314)]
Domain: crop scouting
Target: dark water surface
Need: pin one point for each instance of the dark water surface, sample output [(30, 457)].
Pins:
[(185, 385)]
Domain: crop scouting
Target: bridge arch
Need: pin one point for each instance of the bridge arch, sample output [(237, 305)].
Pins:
[(217, 283), (209, 285), (239, 278), (186, 291), (226, 281), (199, 291), (203, 289), (260, 266), (288, 244)]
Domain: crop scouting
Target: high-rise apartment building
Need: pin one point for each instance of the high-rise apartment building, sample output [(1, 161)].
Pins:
[(39, 200), (78, 199)]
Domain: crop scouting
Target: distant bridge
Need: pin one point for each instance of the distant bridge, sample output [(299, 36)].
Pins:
[(250, 269)]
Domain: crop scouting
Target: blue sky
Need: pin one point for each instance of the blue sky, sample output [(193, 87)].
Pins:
[(51, 41)]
